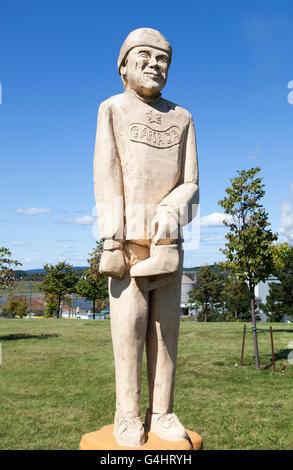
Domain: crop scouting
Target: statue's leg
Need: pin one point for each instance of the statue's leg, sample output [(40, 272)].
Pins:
[(129, 316), (162, 342)]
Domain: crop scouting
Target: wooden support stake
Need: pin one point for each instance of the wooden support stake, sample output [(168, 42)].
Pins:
[(273, 352), (243, 344)]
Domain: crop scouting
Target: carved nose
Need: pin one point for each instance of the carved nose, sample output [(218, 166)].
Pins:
[(153, 63)]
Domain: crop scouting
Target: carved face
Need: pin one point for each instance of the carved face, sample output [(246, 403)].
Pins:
[(145, 70)]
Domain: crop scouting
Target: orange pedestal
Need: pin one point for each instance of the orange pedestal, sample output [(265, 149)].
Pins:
[(104, 440)]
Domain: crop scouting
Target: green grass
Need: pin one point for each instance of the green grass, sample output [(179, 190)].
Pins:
[(57, 383), (22, 287)]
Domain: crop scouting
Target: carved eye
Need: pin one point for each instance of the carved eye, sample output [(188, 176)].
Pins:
[(144, 55), (162, 59)]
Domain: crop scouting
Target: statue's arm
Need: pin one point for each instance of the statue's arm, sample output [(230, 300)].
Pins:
[(182, 202), (108, 186)]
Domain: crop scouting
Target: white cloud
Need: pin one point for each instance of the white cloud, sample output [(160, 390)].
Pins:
[(286, 227), (214, 220), (33, 211), (254, 155), (286, 220), (20, 243), (85, 220), (213, 238)]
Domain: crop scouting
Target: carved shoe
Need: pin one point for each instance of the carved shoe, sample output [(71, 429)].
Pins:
[(166, 426), (164, 259), (129, 431)]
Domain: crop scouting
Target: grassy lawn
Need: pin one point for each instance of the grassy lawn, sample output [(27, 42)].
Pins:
[(22, 287), (57, 383)]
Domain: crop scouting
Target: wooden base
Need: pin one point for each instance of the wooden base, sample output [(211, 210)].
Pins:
[(105, 440)]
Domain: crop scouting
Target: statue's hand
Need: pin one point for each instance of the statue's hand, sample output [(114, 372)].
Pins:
[(165, 226), (113, 263)]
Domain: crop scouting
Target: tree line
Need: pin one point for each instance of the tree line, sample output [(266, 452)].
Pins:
[(221, 296), (59, 282), (251, 253)]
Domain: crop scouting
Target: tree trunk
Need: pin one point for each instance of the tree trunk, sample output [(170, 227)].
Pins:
[(205, 313), (59, 302), (94, 309), (254, 333), (235, 313)]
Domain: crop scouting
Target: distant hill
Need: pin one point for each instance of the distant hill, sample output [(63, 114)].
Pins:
[(31, 272), (77, 268), (41, 270)]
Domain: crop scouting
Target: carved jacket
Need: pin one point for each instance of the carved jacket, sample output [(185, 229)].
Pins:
[(145, 160)]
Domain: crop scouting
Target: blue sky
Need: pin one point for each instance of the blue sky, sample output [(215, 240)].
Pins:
[(231, 66)]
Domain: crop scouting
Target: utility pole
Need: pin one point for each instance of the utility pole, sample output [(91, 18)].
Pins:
[(30, 306)]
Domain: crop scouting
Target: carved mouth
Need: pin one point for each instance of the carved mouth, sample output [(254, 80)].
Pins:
[(152, 75)]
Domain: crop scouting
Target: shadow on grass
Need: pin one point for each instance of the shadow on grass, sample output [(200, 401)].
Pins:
[(14, 337), (275, 331), (279, 355), (282, 354)]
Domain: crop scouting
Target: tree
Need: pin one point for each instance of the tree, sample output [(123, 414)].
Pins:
[(249, 247), (279, 302), (51, 307), (282, 252), (280, 298), (285, 277), (273, 307), (15, 306), (236, 297), (59, 281), (207, 291), (7, 277), (97, 292), (93, 285), (94, 261)]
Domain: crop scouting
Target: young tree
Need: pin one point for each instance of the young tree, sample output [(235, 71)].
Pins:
[(249, 247), (59, 281), (207, 290), (51, 306), (7, 276), (97, 291), (94, 262), (236, 297), (94, 286), (16, 306)]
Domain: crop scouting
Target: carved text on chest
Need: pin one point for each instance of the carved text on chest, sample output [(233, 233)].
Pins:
[(159, 139)]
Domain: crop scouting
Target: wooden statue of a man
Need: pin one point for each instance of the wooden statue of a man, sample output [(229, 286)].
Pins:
[(145, 174)]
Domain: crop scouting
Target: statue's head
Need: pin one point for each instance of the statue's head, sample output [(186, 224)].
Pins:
[(143, 61)]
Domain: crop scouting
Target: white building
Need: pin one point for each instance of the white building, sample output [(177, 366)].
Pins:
[(187, 308), (187, 285), (262, 289)]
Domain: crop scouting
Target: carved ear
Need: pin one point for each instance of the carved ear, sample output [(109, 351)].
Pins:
[(123, 74), (123, 70)]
